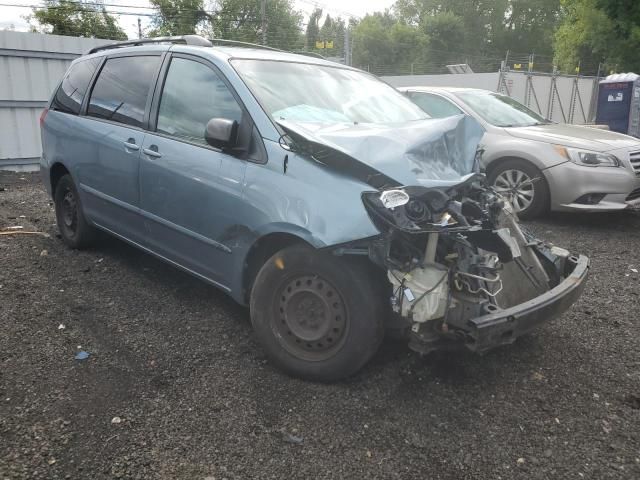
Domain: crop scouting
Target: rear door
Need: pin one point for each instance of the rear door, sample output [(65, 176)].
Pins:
[(190, 192), (115, 121)]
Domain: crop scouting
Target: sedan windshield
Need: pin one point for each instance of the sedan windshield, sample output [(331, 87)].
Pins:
[(300, 92), (500, 110)]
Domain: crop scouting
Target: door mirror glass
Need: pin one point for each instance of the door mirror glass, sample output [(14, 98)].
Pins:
[(221, 133)]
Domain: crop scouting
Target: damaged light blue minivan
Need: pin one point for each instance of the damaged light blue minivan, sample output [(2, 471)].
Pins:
[(310, 191)]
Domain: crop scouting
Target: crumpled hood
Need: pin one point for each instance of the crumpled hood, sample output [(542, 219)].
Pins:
[(429, 152), (575, 136)]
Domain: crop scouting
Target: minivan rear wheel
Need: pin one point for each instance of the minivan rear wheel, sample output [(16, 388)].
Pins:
[(316, 315), (73, 227)]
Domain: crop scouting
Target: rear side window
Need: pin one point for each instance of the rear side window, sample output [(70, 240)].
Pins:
[(121, 91), (435, 106), (71, 92), (192, 95)]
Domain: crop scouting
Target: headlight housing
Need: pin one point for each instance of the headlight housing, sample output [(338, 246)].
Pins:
[(588, 158)]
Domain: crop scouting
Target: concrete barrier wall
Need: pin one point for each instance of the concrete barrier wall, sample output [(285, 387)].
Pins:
[(486, 81)]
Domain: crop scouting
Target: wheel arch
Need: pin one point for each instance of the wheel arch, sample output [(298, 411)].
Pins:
[(497, 162), (260, 251), (56, 172)]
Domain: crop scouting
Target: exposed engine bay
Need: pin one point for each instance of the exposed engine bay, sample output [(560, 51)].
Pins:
[(453, 254), (462, 271)]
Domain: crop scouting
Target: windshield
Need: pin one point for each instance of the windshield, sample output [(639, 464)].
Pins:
[(500, 110), (299, 92)]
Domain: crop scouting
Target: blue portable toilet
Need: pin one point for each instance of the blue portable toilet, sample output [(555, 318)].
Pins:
[(619, 103)]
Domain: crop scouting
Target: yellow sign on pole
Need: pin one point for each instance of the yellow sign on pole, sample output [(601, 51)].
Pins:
[(517, 66), (328, 44), (319, 44)]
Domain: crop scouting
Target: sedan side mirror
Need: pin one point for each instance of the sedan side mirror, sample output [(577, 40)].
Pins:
[(221, 133)]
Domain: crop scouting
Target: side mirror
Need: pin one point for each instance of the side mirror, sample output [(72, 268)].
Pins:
[(221, 133)]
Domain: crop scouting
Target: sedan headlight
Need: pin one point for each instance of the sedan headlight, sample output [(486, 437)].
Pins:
[(587, 157)]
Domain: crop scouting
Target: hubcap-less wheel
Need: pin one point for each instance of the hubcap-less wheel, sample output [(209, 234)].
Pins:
[(517, 186), (311, 321), (69, 211)]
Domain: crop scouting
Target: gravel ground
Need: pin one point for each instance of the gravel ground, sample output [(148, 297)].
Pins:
[(175, 361)]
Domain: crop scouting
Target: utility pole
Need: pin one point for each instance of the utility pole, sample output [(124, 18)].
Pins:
[(263, 23), (139, 28)]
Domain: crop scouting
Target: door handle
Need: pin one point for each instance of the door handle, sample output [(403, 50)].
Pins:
[(151, 153), (130, 144)]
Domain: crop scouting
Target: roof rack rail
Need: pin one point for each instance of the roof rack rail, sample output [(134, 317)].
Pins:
[(238, 43), (186, 39)]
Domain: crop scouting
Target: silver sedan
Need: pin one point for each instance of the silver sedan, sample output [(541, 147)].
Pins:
[(540, 165)]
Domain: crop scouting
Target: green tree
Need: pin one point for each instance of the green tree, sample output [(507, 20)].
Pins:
[(485, 27), (481, 19), (589, 36), (446, 31), (528, 27), (241, 20), (384, 45), (625, 14), (177, 17), (313, 28), (332, 31), (63, 17)]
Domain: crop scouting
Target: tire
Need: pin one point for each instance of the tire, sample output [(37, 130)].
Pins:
[(516, 172), (316, 315), (73, 227)]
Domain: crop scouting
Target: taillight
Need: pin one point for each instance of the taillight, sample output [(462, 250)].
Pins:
[(43, 115)]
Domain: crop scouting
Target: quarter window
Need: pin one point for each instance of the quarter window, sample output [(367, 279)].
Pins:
[(71, 92), (436, 107), (122, 88), (192, 95)]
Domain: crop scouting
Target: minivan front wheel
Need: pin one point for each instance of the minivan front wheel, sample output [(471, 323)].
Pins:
[(316, 315), (73, 227), (523, 185)]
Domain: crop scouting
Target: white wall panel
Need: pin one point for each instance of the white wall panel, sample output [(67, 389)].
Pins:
[(31, 65)]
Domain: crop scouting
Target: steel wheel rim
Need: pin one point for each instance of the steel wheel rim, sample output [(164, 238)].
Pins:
[(517, 186), (310, 320), (69, 211)]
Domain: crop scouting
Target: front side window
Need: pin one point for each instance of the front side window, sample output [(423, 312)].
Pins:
[(500, 110), (192, 95), (435, 106), (70, 94), (300, 92), (121, 91)]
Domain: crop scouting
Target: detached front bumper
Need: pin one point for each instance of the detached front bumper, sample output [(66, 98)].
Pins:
[(504, 326)]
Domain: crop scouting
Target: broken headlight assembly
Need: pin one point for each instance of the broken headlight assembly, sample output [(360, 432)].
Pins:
[(456, 254)]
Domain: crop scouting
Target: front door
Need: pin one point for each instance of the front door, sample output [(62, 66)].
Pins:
[(108, 172), (190, 192)]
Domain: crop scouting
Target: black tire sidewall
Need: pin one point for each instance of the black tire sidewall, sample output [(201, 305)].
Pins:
[(84, 234), (364, 311), (540, 204)]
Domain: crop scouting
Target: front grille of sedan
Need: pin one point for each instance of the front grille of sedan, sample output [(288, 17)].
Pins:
[(634, 158)]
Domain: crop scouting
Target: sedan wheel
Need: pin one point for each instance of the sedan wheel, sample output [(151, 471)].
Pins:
[(517, 186), (523, 184)]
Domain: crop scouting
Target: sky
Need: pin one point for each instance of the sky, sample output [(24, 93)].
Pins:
[(12, 16)]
